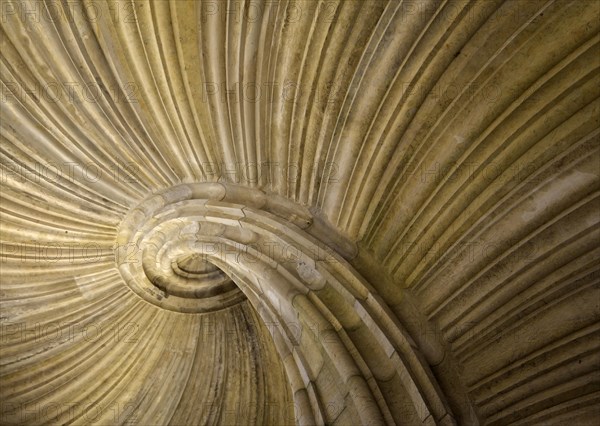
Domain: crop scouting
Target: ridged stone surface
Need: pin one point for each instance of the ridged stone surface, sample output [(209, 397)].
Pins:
[(444, 155)]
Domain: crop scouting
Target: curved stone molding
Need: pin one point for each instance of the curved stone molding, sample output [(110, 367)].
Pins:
[(442, 156), (325, 319), (156, 246)]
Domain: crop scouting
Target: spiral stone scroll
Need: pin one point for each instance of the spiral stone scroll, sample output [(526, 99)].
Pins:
[(204, 247)]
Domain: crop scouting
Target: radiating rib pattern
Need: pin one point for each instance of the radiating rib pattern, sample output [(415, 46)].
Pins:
[(447, 150)]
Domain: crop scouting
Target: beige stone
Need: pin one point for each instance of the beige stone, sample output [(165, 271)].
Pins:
[(312, 212)]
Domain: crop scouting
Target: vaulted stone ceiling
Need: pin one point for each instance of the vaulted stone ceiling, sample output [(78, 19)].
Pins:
[(252, 212)]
